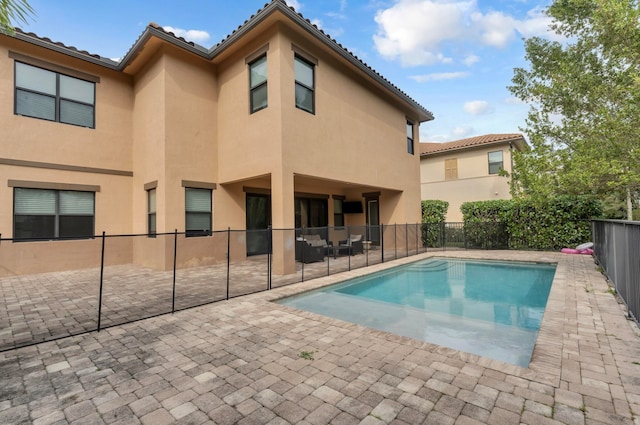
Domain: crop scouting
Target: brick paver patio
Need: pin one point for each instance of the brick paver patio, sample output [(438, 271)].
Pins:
[(46, 306), (241, 361)]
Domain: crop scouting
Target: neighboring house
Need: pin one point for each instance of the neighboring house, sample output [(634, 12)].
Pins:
[(468, 170), (278, 124)]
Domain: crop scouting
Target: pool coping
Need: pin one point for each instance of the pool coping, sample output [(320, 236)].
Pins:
[(546, 359)]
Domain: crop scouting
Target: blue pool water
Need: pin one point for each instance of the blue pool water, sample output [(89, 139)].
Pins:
[(489, 308)]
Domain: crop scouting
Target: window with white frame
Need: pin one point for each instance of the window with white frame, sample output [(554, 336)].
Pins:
[(305, 84), (48, 214), (151, 212), (49, 95), (495, 162), (197, 211), (258, 83)]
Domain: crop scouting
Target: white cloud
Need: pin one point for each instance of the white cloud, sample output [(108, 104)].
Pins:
[(295, 4), (196, 36), (415, 31), (512, 100), (470, 60), (439, 76), (317, 23), (412, 30), (495, 28), (477, 107), (537, 24), (461, 132)]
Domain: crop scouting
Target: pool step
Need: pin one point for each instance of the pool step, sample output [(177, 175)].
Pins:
[(434, 266)]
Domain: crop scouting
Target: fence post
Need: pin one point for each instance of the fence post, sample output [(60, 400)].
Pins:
[(348, 237), (464, 234), (406, 237), (417, 240), (101, 283), (328, 256), (302, 251), (175, 256), (269, 256), (395, 241), (382, 242), (228, 257)]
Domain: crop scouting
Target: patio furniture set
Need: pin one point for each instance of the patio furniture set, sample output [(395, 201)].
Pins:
[(312, 248)]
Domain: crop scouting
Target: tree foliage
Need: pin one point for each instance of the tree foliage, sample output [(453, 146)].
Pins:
[(584, 95), (12, 11)]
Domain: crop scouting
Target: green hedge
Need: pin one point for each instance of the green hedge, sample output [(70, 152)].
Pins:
[(550, 224), (486, 223), (434, 213)]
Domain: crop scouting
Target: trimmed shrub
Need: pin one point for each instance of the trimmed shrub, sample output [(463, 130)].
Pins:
[(550, 224), (434, 214), (486, 223)]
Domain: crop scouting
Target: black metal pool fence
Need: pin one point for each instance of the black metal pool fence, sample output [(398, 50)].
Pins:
[(109, 280), (617, 250)]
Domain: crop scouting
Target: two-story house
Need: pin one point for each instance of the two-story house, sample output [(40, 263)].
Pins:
[(468, 170), (277, 124)]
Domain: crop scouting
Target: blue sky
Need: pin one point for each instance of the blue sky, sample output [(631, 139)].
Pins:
[(456, 58)]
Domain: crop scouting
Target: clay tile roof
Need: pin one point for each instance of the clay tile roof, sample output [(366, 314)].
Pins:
[(47, 42), (155, 29), (429, 148)]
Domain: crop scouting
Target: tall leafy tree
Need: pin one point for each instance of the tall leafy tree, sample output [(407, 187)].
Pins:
[(584, 94), (12, 11)]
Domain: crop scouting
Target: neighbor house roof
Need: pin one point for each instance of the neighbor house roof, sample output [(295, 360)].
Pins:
[(430, 148), (155, 30)]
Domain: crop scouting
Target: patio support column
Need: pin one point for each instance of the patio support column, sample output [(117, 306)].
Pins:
[(283, 219)]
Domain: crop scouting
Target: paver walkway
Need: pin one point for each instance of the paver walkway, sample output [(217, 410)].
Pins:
[(239, 361)]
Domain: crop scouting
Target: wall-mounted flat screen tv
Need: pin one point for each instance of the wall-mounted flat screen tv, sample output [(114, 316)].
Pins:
[(352, 207)]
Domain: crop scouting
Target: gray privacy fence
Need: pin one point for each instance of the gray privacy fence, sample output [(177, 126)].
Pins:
[(617, 249)]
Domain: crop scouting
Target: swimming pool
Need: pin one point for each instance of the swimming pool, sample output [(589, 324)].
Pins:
[(489, 308)]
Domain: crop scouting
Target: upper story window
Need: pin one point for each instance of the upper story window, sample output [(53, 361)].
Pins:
[(305, 84), (197, 211), (40, 93), (48, 214), (451, 169), (410, 145), (495, 162), (258, 83)]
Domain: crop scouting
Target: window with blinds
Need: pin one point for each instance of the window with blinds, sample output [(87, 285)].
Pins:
[(50, 214), (451, 169), (197, 212), (48, 95)]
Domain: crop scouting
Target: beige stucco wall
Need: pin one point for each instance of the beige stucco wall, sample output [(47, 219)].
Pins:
[(106, 147), (354, 135), (474, 183), (173, 116)]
